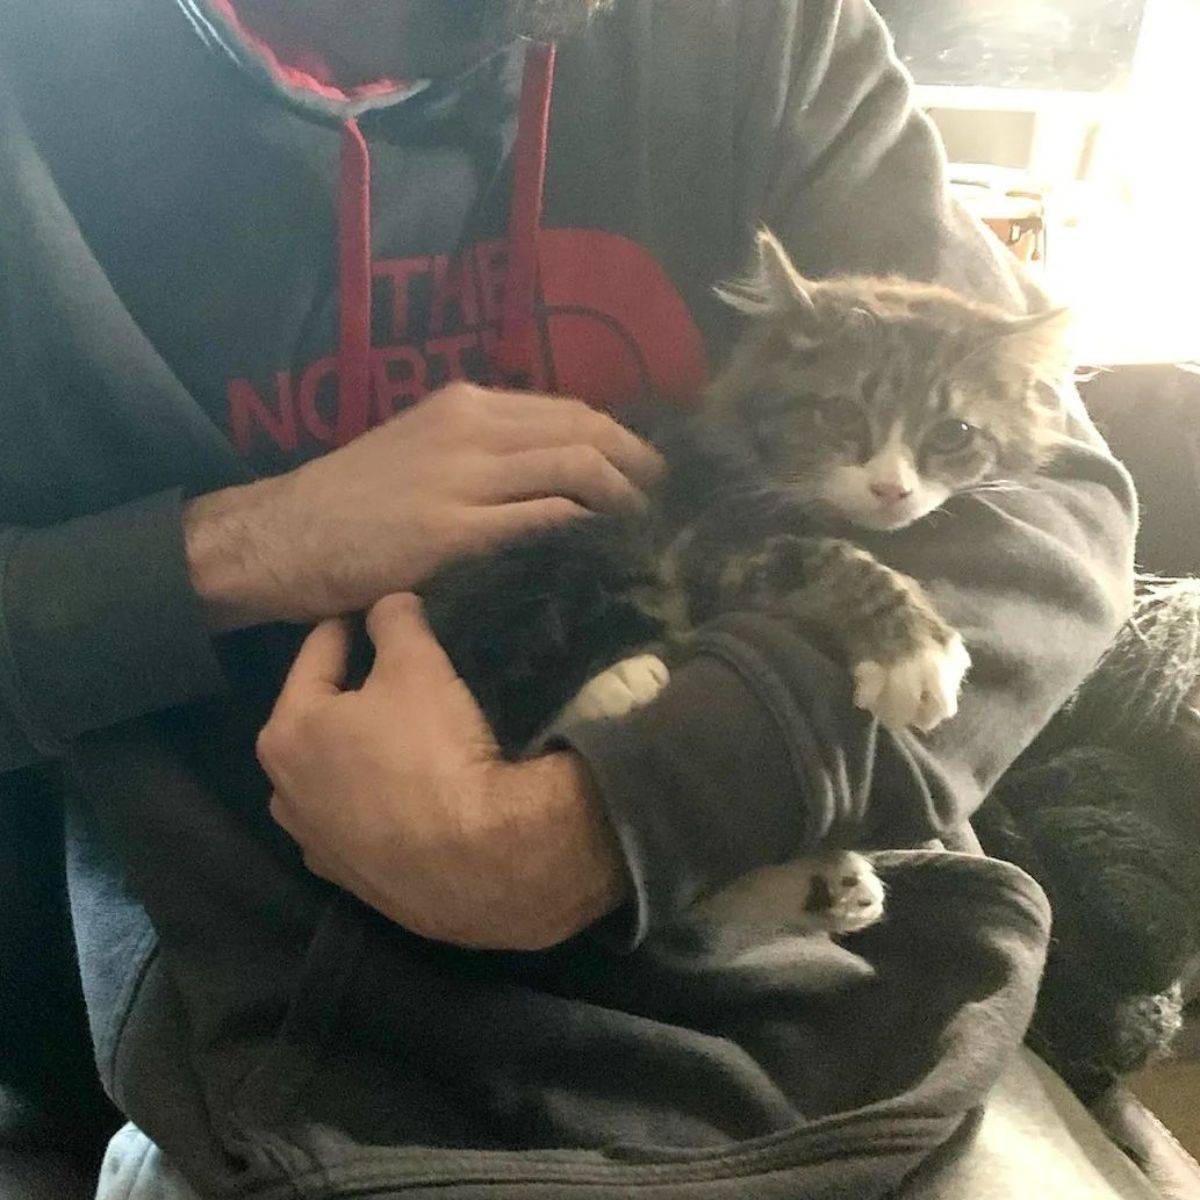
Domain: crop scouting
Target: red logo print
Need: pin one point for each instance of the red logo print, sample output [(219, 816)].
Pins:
[(610, 328)]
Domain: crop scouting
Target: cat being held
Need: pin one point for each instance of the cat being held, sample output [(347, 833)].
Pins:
[(847, 405)]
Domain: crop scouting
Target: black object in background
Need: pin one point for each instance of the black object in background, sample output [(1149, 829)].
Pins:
[(1067, 45)]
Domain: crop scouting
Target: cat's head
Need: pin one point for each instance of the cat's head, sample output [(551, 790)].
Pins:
[(875, 400)]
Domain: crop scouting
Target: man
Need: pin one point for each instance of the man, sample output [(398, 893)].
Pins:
[(236, 235)]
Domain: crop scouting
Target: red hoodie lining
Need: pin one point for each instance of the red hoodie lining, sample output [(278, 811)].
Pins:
[(512, 361), (299, 73)]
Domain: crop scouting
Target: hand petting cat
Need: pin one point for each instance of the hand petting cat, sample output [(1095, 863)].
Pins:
[(396, 792)]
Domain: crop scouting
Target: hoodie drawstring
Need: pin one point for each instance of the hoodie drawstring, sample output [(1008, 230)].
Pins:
[(511, 359), (354, 285)]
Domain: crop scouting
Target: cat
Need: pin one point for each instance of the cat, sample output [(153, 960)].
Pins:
[(848, 404)]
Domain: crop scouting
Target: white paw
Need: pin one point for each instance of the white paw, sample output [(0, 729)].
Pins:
[(619, 690), (835, 893), (919, 691), (844, 893)]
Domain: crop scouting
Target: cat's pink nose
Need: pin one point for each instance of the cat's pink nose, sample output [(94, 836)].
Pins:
[(890, 493)]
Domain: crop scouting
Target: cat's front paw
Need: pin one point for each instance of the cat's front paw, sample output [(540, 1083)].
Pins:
[(618, 690), (919, 690), (844, 893)]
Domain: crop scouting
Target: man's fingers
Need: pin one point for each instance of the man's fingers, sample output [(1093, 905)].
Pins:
[(507, 522), (575, 472), (317, 674), (320, 667), (282, 814), (518, 422), (406, 652)]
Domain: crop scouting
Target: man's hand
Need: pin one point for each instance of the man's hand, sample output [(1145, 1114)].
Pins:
[(396, 793), (462, 471)]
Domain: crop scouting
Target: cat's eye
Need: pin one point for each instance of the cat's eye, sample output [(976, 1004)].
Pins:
[(949, 437)]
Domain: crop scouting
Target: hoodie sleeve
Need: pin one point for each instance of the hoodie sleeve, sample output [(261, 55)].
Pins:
[(755, 753), (98, 624), (98, 444)]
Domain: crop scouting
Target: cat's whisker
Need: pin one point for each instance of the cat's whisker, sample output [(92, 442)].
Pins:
[(999, 485)]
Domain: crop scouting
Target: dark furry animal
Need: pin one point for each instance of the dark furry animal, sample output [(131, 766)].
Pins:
[(1104, 811)]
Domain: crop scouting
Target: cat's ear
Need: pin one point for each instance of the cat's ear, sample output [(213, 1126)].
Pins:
[(780, 277), (775, 288), (1040, 342)]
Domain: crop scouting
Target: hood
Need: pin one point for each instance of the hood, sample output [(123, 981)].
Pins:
[(285, 61)]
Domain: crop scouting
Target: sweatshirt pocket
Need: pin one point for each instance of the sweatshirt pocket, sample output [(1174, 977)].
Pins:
[(406, 1068)]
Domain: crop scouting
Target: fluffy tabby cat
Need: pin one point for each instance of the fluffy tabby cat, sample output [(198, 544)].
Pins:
[(848, 404)]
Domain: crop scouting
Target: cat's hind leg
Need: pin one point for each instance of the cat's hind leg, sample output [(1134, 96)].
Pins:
[(844, 893), (837, 893)]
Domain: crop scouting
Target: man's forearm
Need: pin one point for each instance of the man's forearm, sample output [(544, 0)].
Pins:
[(574, 867), (395, 790), (227, 542), (461, 472)]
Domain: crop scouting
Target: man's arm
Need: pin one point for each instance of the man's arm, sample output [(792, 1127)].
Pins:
[(111, 587), (396, 791), (98, 624), (110, 616), (462, 471), (842, 165), (756, 753)]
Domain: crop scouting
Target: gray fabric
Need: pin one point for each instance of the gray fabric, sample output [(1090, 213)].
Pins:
[(1033, 1140)]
